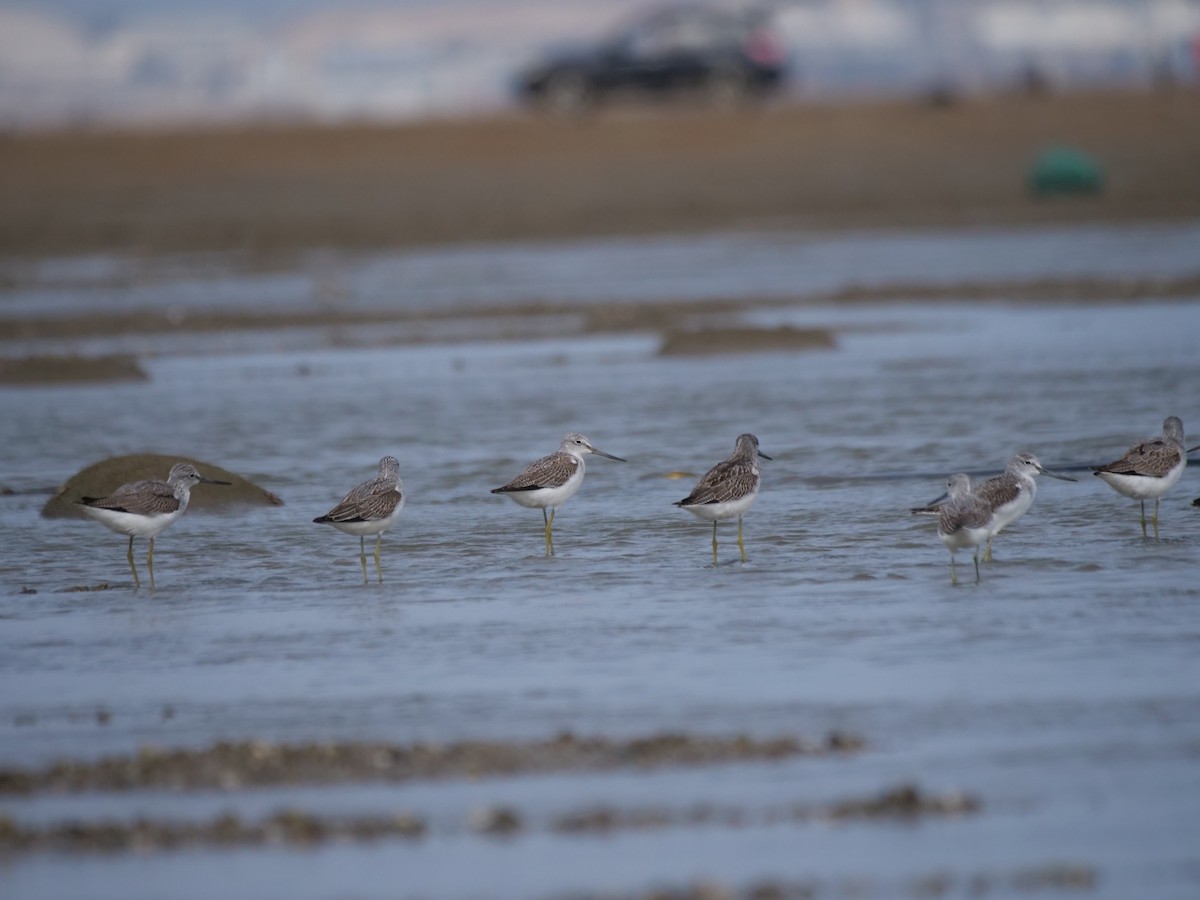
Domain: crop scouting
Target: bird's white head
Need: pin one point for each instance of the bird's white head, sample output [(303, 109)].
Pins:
[(1025, 463), (747, 447), (185, 475), (578, 446), (958, 486), (1173, 429)]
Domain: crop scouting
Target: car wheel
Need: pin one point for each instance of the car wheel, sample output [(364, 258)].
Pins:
[(565, 94)]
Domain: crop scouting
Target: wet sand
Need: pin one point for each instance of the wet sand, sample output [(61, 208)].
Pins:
[(272, 191)]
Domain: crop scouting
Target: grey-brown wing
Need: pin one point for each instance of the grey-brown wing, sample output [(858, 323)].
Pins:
[(998, 491), (369, 502), (972, 512), (550, 471), (142, 498), (1154, 459), (722, 483)]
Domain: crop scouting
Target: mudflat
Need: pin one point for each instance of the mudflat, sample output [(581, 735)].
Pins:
[(273, 190)]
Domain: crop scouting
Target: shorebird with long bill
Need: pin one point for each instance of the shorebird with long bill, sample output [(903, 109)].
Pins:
[(145, 508), (370, 508), (551, 481), (728, 489)]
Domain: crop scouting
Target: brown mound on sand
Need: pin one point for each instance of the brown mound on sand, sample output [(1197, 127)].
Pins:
[(104, 477), (67, 369), (744, 340)]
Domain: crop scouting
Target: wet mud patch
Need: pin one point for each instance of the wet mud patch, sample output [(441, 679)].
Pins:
[(31, 370), (293, 827), (252, 764), (1051, 878), (710, 341), (905, 802), (104, 477)]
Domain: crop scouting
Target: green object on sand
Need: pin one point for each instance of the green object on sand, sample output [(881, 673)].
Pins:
[(1064, 170)]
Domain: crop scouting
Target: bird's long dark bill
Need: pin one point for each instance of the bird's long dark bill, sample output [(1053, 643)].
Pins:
[(608, 455), (763, 455), (1194, 449), (1056, 475), (213, 481), (937, 501)]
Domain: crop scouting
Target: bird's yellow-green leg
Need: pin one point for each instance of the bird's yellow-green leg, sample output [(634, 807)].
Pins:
[(150, 562), (977, 565), (362, 557), (549, 531), (378, 570), (741, 546), (953, 571), (987, 553), (1156, 499), (714, 543), (1143, 520), (137, 582)]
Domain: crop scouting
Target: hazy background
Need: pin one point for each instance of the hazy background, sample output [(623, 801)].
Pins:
[(110, 62)]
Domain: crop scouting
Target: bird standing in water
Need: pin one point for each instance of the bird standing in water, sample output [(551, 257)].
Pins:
[(551, 481), (1149, 468), (728, 489), (144, 508), (964, 521), (370, 508)]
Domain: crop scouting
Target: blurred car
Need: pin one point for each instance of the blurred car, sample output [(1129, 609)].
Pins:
[(727, 56)]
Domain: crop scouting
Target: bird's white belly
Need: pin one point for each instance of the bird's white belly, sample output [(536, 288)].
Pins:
[(548, 498), (131, 523), (964, 538), (1141, 487), (712, 512)]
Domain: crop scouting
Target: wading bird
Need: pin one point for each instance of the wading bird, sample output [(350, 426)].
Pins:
[(1149, 468), (370, 508), (144, 508), (551, 481), (728, 489)]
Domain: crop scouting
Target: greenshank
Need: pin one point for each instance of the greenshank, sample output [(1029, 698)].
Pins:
[(728, 489), (551, 481)]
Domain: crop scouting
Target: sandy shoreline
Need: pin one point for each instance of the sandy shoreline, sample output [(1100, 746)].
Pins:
[(274, 191)]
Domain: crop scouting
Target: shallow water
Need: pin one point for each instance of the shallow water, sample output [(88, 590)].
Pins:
[(1063, 690)]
